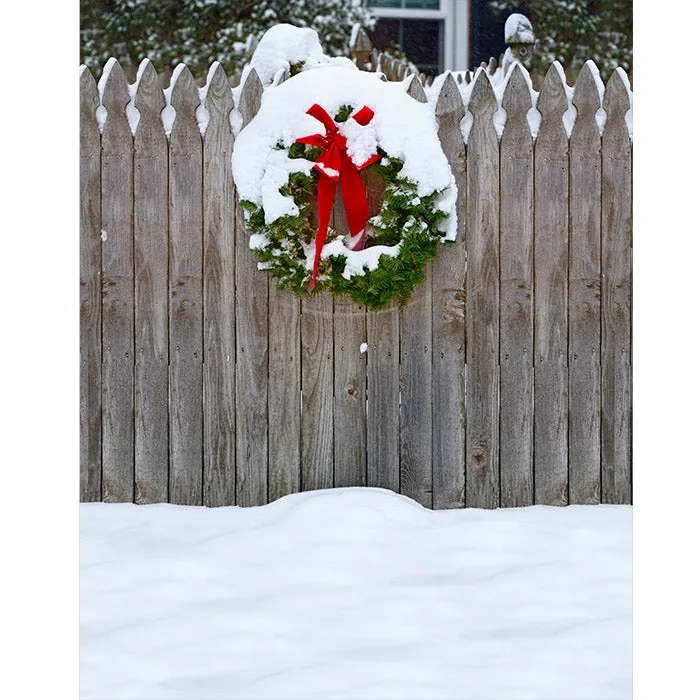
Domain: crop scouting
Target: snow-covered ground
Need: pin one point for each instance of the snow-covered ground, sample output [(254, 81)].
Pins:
[(357, 594)]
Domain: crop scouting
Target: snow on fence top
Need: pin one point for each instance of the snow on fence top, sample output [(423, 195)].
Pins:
[(271, 64)]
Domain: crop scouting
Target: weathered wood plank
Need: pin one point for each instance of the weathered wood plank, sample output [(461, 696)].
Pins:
[(251, 348), (482, 305), (415, 382), (317, 392), (117, 291), (551, 273), (516, 297), (616, 296), (185, 181), (349, 380), (150, 292), (284, 393), (219, 371), (448, 323), (584, 293), (90, 294), (383, 457)]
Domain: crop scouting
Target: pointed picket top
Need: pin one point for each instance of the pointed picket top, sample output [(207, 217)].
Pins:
[(449, 101), (482, 101), (184, 96), (219, 97), (251, 96), (415, 90), (149, 100), (517, 102), (616, 100), (89, 98), (552, 103), (588, 91), (114, 95)]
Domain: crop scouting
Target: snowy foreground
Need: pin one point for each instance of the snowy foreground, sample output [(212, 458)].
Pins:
[(357, 594)]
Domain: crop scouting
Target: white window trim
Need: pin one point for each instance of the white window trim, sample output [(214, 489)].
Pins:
[(455, 14)]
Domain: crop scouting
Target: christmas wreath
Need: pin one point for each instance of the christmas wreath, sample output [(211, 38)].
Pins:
[(317, 131)]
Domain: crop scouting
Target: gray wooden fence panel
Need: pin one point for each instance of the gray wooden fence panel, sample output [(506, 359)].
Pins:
[(284, 393), (185, 177), (349, 381), (150, 293), (516, 297), (448, 325), (584, 294), (383, 398), (616, 296), (551, 272), (317, 392), (482, 307), (219, 371), (415, 382), (251, 347), (382, 372), (90, 294), (117, 293)]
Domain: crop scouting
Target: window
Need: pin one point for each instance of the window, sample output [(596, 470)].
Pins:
[(410, 4), (421, 40)]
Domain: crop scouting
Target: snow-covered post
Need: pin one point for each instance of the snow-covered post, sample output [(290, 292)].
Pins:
[(360, 47), (520, 39)]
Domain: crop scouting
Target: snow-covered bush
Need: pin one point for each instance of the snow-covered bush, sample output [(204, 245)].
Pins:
[(199, 32)]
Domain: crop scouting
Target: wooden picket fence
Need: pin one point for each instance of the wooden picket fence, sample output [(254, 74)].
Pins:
[(505, 381)]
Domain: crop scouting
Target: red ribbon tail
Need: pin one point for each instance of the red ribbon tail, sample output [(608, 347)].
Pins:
[(354, 201), (326, 195)]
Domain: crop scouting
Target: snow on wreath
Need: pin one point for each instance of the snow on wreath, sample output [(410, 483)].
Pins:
[(313, 135)]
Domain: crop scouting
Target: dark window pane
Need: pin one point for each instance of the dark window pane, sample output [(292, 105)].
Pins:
[(413, 4), (420, 39)]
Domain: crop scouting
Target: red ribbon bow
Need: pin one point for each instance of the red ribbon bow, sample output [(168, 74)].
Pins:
[(334, 164)]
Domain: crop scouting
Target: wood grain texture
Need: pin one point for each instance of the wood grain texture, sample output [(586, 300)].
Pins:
[(284, 393), (252, 308), (551, 292), (383, 414), (448, 322), (584, 294), (415, 382), (219, 371), (117, 294), (90, 294), (185, 181), (317, 433), (616, 296), (516, 298), (482, 305), (150, 293), (349, 380)]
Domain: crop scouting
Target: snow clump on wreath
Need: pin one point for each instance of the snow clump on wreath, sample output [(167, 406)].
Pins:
[(313, 134)]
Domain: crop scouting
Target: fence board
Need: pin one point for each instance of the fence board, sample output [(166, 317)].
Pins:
[(383, 410), (551, 272), (584, 294), (117, 293), (415, 382), (219, 371), (448, 323), (616, 296), (482, 326), (185, 179), (150, 292), (317, 392), (349, 381), (90, 294), (516, 297), (251, 347)]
